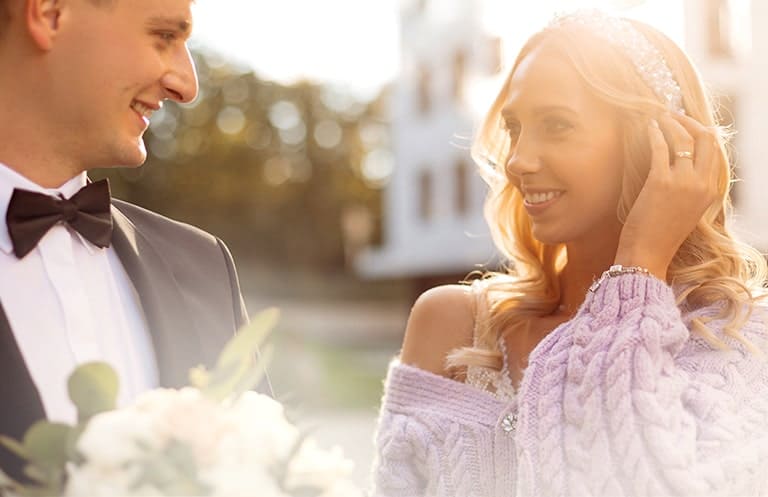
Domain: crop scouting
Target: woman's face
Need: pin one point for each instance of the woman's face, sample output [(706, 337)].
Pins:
[(565, 154)]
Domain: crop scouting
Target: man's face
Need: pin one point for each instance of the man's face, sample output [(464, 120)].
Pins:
[(111, 67)]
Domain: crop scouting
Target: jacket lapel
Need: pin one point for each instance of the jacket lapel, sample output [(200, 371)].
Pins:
[(175, 337), (21, 405), (174, 334)]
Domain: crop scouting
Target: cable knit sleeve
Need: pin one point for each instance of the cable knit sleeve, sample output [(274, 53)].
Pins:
[(622, 400), (440, 438), (399, 465)]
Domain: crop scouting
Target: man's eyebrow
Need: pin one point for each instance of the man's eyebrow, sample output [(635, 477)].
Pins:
[(182, 25)]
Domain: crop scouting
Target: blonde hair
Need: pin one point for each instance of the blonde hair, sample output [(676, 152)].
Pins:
[(710, 267)]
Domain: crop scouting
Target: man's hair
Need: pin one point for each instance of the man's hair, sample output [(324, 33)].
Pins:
[(5, 16), (5, 12)]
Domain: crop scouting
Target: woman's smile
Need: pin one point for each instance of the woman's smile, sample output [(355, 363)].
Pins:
[(537, 202)]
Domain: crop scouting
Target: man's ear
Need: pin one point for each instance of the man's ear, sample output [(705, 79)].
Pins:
[(42, 20)]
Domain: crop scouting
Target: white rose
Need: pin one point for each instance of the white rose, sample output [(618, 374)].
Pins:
[(110, 438), (318, 468), (235, 447), (189, 417), (342, 488), (255, 409), (242, 481), (93, 480), (259, 434)]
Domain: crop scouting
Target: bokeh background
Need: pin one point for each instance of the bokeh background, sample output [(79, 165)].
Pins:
[(329, 149)]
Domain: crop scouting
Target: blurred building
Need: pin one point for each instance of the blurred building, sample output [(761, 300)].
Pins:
[(433, 224), (433, 221), (727, 39)]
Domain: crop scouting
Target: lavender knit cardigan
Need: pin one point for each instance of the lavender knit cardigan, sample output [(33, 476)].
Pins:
[(621, 400)]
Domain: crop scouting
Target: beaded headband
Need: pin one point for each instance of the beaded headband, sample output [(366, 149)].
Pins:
[(647, 59)]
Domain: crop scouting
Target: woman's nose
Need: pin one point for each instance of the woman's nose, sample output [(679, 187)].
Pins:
[(524, 158)]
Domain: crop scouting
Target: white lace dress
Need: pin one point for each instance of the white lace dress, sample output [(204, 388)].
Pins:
[(497, 383)]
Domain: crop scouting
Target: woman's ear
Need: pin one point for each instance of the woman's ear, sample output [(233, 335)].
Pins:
[(42, 19)]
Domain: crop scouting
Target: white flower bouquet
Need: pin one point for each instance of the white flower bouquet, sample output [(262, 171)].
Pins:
[(215, 437)]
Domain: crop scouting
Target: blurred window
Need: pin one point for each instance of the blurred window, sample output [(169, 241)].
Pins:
[(424, 95), (462, 187), (459, 74), (494, 55), (425, 194), (719, 28)]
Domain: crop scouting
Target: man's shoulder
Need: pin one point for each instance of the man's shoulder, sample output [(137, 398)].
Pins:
[(199, 264), (157, 226)]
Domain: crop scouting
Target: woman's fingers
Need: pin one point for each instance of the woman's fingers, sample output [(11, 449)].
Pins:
[(674, 197), (659, 149), (682, 146), (693, 126), (703, 171), (707, 147)]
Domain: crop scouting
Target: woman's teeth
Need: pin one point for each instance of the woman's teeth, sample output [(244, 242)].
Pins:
[(539, 198)]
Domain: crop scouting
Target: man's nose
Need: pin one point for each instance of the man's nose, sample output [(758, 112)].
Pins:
[(180, 82)]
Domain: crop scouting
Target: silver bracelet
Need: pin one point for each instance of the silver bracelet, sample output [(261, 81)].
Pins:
[(617, 270)]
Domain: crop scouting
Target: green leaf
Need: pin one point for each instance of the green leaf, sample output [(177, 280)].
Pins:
[(238, 368), (74, 435), (199, 377), (223, 380), (245, 344), (253, 376), (234, 379), (46, 444), (6, 482), (39, 491), (93, 389), (173, 470), (14, 447), (37, 474), (47, 485)]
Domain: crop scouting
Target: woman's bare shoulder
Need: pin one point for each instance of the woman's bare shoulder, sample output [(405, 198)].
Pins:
[(442, 319)]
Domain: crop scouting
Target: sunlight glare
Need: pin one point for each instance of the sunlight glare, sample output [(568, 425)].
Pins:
[(349, 43)]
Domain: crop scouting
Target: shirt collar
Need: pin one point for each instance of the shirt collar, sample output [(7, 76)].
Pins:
[(10, 179)]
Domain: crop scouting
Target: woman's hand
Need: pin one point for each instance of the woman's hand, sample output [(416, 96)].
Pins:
[(675, 195)]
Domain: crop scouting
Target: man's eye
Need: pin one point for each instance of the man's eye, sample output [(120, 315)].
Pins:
[(167, 36)]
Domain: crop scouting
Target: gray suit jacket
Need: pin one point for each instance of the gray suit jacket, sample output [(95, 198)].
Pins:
[(188, 290)]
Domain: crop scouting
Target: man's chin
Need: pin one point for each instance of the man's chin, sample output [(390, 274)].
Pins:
[(134, 156), (124, 162)]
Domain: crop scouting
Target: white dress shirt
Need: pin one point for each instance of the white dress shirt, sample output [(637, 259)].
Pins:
[(70, 302)]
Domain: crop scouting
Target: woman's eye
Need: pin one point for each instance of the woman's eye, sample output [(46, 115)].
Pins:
[(512, 128), (557, 125)]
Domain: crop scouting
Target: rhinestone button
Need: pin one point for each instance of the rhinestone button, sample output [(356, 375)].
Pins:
[(509, 423)]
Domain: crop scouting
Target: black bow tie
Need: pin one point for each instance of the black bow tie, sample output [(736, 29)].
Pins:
[(31, 215)]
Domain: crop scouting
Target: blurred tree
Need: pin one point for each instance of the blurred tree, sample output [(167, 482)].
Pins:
[(273, 170)]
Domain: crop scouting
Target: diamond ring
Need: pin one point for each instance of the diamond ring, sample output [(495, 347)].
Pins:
[(684, 155)]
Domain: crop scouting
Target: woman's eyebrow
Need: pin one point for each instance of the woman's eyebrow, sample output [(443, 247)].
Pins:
[(508, 112)]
